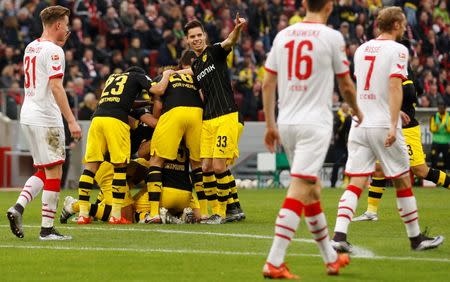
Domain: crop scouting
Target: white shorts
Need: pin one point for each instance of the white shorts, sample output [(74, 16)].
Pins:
[(366, 146), (306, 147), (46, 145)]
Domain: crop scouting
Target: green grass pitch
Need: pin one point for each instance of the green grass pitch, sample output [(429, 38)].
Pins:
[(229, 252)]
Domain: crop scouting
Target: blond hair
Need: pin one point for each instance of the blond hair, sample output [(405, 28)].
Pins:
[(388, 17)]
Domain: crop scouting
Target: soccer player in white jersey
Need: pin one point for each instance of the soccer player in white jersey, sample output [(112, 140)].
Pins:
[(40, 117), (380, 67), (304, 60)]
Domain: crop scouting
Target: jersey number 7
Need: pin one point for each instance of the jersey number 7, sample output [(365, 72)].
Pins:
[(369, 73), (299, 59)]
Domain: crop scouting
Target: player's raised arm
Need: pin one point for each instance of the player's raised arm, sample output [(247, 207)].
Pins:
[(272, 137), (348, 92), (160, 87), (59, 93), (233, 37)]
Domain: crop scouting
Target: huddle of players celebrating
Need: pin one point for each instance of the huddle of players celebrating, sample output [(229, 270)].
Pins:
[(184, 142), (197, 128)]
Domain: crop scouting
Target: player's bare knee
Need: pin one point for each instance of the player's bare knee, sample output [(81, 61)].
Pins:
[(207, 165), (401, 183), (53, 172), (219, 165), (420, 171), (92, 167)]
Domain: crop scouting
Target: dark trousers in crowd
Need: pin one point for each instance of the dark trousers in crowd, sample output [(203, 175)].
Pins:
[(439, 151), (340, 158)]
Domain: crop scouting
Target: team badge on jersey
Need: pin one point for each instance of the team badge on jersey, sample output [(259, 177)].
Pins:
[(204, 58), (55, 57)]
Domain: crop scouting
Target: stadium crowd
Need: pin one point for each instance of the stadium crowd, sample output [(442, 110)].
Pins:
[(109, 35)]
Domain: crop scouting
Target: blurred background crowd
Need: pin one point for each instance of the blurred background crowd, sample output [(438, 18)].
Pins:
[(110, 35)]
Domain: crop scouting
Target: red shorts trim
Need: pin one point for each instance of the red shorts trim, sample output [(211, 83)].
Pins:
[(397, 176), (58, 75), (270, 70), (49, 165), (358, 174), (305, 177), (342, 74), (399, 76)]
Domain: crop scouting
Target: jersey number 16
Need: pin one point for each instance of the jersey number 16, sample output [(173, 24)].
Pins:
[(307, 60)]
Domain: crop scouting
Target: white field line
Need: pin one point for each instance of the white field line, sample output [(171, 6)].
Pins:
[(207, 252), (358, 251), (235, 235)]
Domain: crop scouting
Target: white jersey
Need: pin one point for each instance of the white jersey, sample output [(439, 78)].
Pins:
[(43, 61), (376, 62), (306, 56)]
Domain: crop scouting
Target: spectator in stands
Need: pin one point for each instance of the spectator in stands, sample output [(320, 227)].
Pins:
[(128, 14), (117, 61), (168, 52), (446, 95), (156, 33), (360, 36), (441, 11), (87, 108), (87, 66), (178, 30), (115, 28), (25, 23), (341, 128), (434, 96), (76, 37), (10, 57), (440, 127), (102, 53), (345, 30), (136, 56), (245, 86), (74, 72), (14, 98), (410, 8)]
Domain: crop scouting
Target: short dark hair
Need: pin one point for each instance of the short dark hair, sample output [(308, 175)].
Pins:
[(135, 69), (52, 14), (316, 5), (192, 24), (186, 58), (388, 17)]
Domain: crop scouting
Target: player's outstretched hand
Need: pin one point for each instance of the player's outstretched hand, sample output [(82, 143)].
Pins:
[(390, 139), (239, 22), (75, 130), (272, 139)]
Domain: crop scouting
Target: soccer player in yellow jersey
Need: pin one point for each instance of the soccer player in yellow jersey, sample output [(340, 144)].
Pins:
[(110, 132), (219, 138), (181, 117)]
